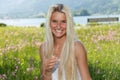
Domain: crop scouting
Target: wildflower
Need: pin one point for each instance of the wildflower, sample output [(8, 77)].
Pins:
[(13, 73), (98, 71), (35, 78), (101, 37), (16, 68), (3, 76), (95, 41), (30, 69), (110, 35), (37, 43), (99, 48), (1, 54), (0, 76)]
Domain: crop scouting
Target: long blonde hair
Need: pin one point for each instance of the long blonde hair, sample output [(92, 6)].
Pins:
[(67, 59)]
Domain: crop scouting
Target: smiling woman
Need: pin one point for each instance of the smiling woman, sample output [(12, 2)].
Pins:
[(63, 56), (58, 24)]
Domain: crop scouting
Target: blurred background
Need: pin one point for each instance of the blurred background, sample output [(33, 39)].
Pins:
[(22, 30), (32, 13)]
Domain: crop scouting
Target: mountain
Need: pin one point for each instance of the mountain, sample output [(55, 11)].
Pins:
[(36, 8)]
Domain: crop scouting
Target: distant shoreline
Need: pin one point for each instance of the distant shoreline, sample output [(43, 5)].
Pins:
[(37, 21)]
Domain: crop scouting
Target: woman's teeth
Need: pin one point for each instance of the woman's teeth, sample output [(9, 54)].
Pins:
[(58, 30)]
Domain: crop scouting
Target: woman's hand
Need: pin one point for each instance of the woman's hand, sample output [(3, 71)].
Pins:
[(49, 63)]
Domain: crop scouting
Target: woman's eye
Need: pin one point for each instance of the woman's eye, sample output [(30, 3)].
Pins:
[(54, 21), (63, 21)]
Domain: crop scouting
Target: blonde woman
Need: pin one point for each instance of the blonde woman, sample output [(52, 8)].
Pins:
[(62, 55)]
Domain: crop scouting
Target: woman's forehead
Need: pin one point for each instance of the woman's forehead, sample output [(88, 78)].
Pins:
[(58, 14)]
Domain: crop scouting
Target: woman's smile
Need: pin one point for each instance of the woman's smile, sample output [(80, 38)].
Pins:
[(58, 30)]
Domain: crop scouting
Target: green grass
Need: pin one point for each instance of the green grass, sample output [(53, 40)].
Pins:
[(19, 53), (103, 46), (20, 60)]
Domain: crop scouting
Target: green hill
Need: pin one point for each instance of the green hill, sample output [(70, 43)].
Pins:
[(36, 8)]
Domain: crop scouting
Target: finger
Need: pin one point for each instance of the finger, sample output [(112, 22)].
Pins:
[(51, 61), (52, 64), (50, 68), (52, 58)]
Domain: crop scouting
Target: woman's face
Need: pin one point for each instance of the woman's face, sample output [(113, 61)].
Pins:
[(58, 24)]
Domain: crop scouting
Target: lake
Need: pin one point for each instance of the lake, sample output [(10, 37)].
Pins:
[(38, 21)]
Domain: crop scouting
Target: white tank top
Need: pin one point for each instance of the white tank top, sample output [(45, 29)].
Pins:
[(55, 73)]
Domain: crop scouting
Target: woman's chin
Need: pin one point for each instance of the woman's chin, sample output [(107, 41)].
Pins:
[(59, 36)]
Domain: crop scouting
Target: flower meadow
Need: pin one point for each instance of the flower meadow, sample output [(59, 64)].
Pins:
[(20, 59)]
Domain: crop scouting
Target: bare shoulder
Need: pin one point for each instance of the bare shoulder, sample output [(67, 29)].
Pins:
[(78, 44), (79, 49)]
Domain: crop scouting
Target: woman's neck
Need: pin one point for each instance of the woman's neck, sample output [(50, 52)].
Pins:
[(58, 42), (58, 45)]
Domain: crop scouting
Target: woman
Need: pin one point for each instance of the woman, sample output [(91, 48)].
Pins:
[(63, 57)]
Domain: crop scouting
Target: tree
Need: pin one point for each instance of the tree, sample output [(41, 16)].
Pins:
[(84, 12)]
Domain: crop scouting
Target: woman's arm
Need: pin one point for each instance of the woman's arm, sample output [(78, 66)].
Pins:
[(46, 65), (44, 73), (81, 58)]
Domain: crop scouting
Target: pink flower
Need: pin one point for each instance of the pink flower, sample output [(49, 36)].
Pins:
[(101, 37)]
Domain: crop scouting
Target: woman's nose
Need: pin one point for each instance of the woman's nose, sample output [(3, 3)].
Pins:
[(58, 25)]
